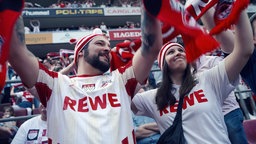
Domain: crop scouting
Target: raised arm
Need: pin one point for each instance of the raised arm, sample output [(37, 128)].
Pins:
[(146, 130), (20, 58), (66, 70), (243, 47), (151, 44), (225, 38)]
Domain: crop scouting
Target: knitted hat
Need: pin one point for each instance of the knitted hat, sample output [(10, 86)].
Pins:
[(81, 43), (163, 51)]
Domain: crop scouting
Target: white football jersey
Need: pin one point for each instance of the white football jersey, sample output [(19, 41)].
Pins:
[(88, 109), (202, 116), (32, 131)]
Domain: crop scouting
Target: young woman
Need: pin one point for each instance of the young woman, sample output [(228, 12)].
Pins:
[(202, 117)]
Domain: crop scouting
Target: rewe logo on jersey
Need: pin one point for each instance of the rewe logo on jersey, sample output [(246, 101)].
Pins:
[(188, 101), (88, 87), (94, 103)]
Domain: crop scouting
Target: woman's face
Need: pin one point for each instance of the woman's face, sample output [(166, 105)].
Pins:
[(176, 59)]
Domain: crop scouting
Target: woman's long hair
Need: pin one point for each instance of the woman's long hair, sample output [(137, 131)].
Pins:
[(165, 93)]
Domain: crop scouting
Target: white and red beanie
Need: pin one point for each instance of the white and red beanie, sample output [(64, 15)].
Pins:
[(81, 43), (163, 51)]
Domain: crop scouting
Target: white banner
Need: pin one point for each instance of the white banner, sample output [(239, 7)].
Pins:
[(64, 37), (118, 11)]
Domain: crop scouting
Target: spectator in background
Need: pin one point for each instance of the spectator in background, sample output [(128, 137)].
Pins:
[(102, 5), (23, 98), (28, 5), (27, 30), (36, 25), (132, 26), (103, 27), (135, 3), (5, 135), (8, 128), (74, 5), (90, 3), (125, 3), (137, 25), (54, 5), (146, 130), (61, 4), (82, 28), (109, 3), (33, 130), (68, 5)]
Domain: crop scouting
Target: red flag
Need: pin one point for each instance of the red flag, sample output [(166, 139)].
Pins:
[(9, 12), (172, 12)]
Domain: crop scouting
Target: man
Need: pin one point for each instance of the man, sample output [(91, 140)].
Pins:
[(94, 106), (33, 130)]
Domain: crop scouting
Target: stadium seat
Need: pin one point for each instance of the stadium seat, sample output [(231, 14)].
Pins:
[(250, 130), (35, 111), (4, 105), (20, 112), (1, 114)]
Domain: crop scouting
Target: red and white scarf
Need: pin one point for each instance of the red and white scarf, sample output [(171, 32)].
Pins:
[(226, 14), (172, 13)]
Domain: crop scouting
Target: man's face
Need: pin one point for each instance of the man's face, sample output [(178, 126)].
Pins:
[(98, 53)]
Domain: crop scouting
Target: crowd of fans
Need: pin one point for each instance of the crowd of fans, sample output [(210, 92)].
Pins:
[(94, 3), (87, 4), (56, 61)]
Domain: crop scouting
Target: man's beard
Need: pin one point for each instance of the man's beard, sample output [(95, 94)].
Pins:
[(96, 63)]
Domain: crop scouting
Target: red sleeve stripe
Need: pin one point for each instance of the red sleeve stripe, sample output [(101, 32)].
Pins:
[(50, 73), (131, 86), (44, 92)]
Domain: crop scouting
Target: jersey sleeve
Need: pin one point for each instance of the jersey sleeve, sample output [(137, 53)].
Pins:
[(45, 83), (144, 102), (217, 77), (128, 77)]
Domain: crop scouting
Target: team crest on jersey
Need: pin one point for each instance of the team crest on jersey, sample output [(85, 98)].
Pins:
[(88, 87), (32, 134)]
